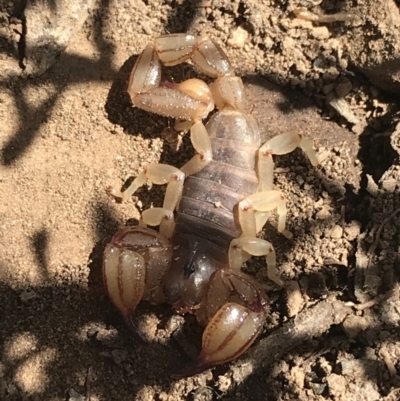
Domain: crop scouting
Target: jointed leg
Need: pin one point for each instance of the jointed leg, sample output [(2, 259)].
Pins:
[(253, 213), (202, 144), (281, 145), (158, 174), (241, 249), (268, 199), (253, 208)]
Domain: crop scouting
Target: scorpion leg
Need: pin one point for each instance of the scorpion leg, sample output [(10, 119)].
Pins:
[(241, 249), (235, 311), (158, 174), (280, 145), (202, 144), (255, 209), (135, 262), (252, 210)]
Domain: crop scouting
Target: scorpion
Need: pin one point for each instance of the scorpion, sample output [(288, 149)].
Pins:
[(213, 209)]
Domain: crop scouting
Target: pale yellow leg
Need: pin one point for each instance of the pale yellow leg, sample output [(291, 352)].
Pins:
[(261, 219), (159, 216), (265, 201), (241, 249), (281, 145), (202, 144), (158, 174)]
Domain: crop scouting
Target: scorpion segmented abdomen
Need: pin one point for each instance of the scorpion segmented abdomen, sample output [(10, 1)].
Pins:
[(207, 207)]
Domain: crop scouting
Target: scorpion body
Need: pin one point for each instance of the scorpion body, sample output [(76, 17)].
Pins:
[(210, 198), (213, 208)]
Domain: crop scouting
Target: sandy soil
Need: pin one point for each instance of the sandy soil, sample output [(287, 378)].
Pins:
[(69, 133)]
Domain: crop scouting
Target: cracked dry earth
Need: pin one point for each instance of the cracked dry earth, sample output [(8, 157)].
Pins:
[(68, 131)]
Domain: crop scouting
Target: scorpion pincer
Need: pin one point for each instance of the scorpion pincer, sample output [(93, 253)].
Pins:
[(214, 205)]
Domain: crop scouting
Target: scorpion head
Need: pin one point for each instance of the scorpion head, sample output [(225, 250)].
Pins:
[(187, 279)]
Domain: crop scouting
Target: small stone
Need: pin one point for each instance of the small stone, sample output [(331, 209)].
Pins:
[(375, 92), (328, 88), (75, 396), (294, 298), (119, 356), (146, 28), (343, 108), (372, 283), (224, 383), (238, 37), (28, 295), (49, 30), (389, 185), (336, 232), (390, 312), (318, 388), (298, 376), (300, 180), (324, 213), (372, 187), (288, 43), (325, 366), (175, 323), (344, 87), (354, 325), (352, 231), (316, 285), (337, 385), (321, 32)]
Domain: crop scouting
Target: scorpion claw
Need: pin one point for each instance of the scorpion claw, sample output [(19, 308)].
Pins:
[(134, 264), (228, 335), (197, 366)]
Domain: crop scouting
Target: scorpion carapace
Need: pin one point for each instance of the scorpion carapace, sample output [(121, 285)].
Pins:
[(214, 205)]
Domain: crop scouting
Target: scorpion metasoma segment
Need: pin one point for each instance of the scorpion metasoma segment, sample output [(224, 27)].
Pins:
[(214, 205)]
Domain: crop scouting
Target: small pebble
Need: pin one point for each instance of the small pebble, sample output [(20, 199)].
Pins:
[(294, 298), (353, 230), (344, 87), (336, 232), (238, 37), (75, 396), (28, 295)]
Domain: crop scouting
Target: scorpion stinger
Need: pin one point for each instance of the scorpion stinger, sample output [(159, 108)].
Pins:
[(214, 208)]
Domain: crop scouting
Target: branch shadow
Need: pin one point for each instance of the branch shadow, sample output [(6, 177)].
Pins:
[(78, 70)]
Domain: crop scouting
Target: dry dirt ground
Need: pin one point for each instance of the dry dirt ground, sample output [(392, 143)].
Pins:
[(68, 131)]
